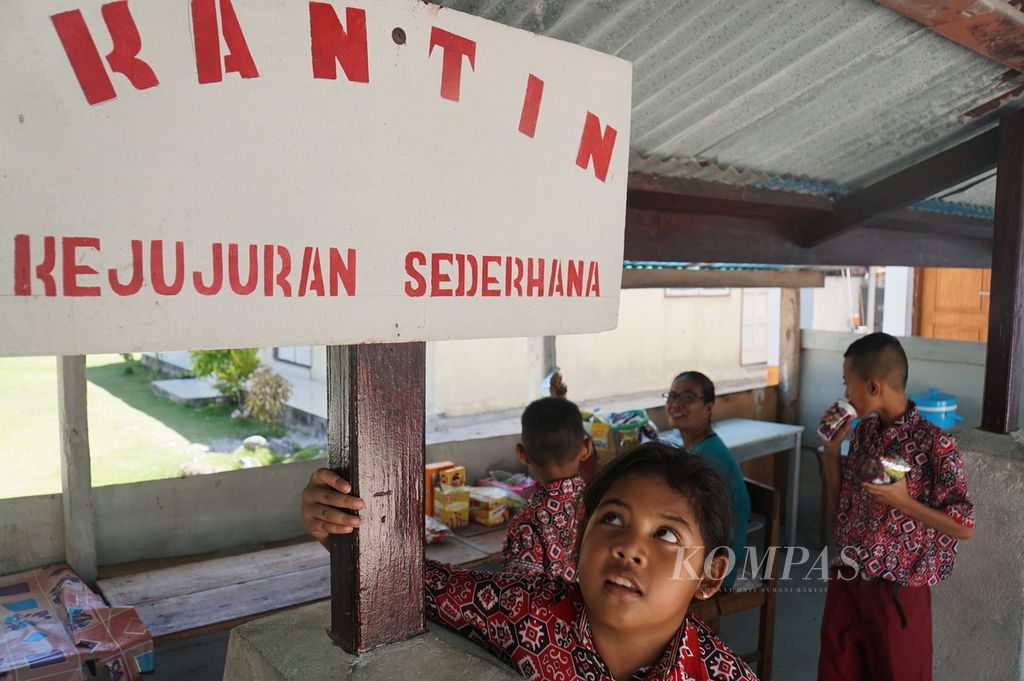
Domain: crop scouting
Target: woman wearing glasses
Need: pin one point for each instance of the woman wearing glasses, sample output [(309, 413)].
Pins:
[(689, 404)]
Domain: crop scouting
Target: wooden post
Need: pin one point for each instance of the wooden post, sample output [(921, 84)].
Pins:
[(375, 440), (1003, 361), (75, 471), (789, 356)]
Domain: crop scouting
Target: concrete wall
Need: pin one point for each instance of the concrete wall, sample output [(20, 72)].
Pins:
[(31, 532), (979, 611), (469, 376), (207, 513), (658, 337)]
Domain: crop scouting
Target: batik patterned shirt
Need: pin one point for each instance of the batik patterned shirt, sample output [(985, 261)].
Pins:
[(541, 538), (884, 541), (540, 627)]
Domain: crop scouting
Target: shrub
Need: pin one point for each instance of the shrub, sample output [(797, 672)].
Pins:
[(267, 395), (129, 362), (230, 369)]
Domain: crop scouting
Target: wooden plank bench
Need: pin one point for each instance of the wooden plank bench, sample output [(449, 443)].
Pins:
[(206, 596)]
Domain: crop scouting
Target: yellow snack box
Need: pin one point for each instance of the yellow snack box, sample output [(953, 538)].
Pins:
[(489, 517), (488, 505), (454, 476), (451, 505)]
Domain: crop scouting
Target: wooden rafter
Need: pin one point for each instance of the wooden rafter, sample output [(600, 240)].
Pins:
[(962, 162), (682, 278), (688, 195), (992, 28), (688, 237)]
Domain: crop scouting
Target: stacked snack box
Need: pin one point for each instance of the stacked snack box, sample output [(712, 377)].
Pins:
[(432, 479), (622, 431), (488, 505), (451, 497)]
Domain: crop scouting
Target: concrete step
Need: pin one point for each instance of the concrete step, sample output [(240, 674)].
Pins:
[(190, 391)]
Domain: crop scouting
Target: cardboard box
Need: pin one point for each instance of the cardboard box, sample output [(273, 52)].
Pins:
[(610, 441), (489, 517), (454, 476), (451, 505), (488, 505), (431, 479)]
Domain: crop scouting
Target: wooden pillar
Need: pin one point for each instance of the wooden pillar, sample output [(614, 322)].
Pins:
[(75, 468), (375, 440), (789, 356), (1003, 360)]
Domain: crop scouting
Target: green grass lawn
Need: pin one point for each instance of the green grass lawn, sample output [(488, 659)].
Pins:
[(133, 434)]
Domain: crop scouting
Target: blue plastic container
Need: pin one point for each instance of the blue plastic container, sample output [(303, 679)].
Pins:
[(938, 407)]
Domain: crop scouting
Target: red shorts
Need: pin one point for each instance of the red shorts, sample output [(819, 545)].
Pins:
[(875, 630)]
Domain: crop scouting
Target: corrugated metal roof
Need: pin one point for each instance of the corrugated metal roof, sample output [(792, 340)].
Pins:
[(834, 93)]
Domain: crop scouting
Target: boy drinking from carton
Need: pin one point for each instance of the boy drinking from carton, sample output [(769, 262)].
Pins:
[(895, 540), (541, 537)]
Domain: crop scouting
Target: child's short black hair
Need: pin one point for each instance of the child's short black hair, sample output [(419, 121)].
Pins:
[(880, 356), (707, 388), (552, 431), (687, 473)]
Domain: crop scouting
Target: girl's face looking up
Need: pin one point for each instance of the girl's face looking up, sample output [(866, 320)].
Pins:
[(628, 570)]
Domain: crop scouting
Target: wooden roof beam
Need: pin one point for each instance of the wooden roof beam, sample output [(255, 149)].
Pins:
[(992, 28), (646, 191), (962, 162), (683, 278)]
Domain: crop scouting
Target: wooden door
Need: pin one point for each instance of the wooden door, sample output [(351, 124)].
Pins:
[(952, 303)]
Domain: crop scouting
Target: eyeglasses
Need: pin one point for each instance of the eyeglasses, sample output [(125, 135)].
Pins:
[(685, 398)]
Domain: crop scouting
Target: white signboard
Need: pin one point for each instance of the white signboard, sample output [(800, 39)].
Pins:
[(224, 173)]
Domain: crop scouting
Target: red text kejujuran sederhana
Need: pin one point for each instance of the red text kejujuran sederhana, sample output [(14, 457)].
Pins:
[(58, 267)]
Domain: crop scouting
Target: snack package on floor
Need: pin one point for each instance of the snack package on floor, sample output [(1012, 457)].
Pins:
[(519, 483), (434, 530), (451, 505)]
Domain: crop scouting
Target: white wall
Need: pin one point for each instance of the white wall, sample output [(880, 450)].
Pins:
[(898, 319), (469, 376), (657, 337), (830, 308)]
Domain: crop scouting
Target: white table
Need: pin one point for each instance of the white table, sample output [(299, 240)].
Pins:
[(750, 439)]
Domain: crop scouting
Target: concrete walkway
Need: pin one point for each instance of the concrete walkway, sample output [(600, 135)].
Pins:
[(308, 396)]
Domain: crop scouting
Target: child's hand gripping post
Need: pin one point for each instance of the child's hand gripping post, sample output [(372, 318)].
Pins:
[(326, 505)]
